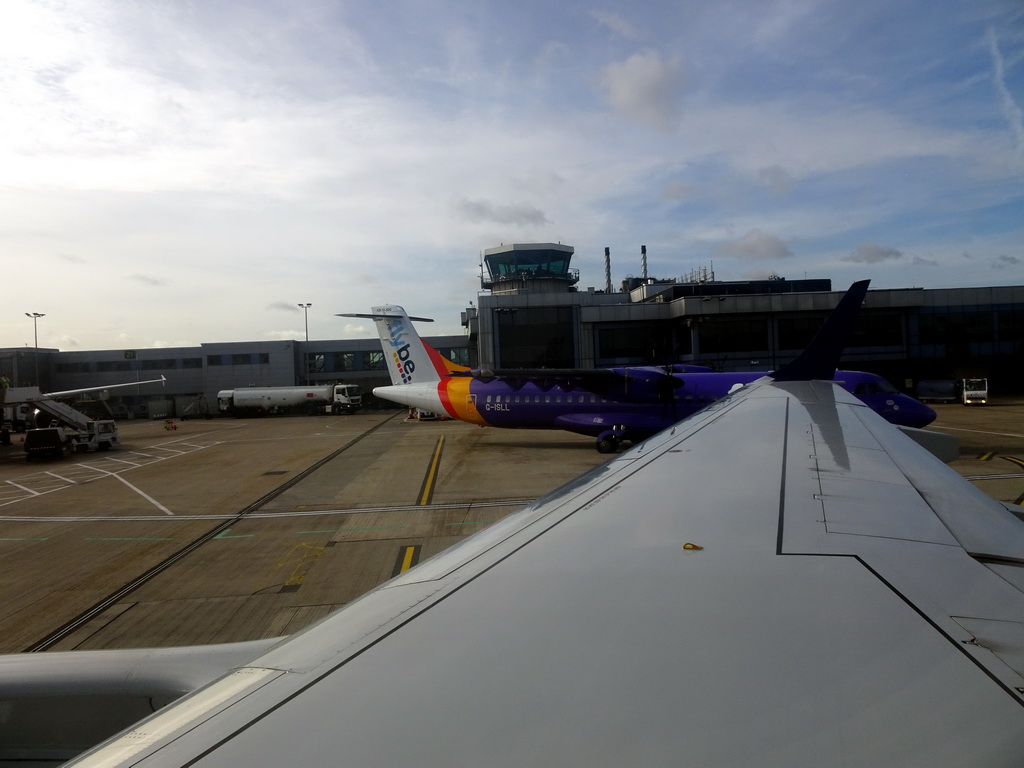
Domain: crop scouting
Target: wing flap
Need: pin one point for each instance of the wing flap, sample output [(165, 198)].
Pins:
[(982, 526)]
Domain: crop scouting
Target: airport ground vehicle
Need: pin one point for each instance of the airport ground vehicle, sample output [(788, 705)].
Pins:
[(334, 398), (47, 441), (975, 391), (937, 391), (970, 391), (56, 441)]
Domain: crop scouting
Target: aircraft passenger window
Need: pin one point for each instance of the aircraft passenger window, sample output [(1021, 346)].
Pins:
[(517, 398), (593, 398), (488, 398), (547, 398)]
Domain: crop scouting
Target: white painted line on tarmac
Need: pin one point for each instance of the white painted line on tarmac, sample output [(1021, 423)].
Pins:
[(23, 488), (65, 479), (119, 461), (978, 431), (468, 505), (144, 495)]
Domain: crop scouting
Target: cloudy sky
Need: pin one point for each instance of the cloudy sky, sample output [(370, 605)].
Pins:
[(182, 171)]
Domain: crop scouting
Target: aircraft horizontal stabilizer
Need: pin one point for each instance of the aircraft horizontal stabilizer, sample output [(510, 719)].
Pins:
[(385, 316)]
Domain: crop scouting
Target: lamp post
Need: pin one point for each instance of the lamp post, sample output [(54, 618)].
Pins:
[(35, 337), (305, 349)]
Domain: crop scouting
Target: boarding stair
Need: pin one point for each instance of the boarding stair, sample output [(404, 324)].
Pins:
[(63, 414)]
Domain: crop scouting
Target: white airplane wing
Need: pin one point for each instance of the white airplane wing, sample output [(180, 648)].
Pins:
[(783, 579), (83, 390)]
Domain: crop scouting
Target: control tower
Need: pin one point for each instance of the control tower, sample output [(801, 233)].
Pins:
[(529, 268)]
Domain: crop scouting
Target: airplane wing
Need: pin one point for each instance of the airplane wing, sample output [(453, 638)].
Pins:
[(782, 579), (67, 392)]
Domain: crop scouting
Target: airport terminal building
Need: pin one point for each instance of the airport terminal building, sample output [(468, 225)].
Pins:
[(531, 313)]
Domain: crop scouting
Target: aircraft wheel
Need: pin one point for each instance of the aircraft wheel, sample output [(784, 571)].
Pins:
[(607, 445)]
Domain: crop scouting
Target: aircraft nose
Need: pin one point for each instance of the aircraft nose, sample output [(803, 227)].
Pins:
[(914, 413)]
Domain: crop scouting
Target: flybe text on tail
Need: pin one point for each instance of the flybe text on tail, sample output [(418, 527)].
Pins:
[(409, 358), (401, 351)]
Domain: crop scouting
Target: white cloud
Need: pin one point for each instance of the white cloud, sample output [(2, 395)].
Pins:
[(617, 24), (777, 178), (872, 253), (151, 280), (1011, 110), (755, 245), (647, 87), (284, 306), (479, 211), (234, 154)]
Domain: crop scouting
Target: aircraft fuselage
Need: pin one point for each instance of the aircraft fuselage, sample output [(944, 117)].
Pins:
[(634, 404)]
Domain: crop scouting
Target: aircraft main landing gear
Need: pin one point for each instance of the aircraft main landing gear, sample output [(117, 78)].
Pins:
[(609, 442)]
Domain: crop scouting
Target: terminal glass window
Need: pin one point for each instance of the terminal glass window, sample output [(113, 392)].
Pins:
[(876, 329), (650, 344), (537, 337), (192, 362), (797, 332), (344, 361), (73, 368), (1011, 325), (373, 361), (458, 355), (746, 335), (315, 363), (956, 328), (114, 365), (156, 365)]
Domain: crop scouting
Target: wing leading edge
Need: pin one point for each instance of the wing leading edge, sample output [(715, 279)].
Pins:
[(782, 579)]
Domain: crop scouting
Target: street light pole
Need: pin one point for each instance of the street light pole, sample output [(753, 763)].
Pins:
[(305, 349), (35, 338)]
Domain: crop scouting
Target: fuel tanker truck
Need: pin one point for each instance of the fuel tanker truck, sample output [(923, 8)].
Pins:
[(261, 401)]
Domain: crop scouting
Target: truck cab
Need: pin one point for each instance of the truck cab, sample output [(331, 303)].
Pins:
[(348, 398), (975, 391), (101, 435)]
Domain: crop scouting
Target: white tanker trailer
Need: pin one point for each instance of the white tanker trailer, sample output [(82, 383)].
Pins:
[(258, 401)]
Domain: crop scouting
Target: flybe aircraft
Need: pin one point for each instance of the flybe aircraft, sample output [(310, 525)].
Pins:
[(615, 405)]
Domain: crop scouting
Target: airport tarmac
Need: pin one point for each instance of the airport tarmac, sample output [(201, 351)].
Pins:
[(226, 530)]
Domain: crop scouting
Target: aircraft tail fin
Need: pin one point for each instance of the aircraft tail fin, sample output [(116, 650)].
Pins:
[(409, 358), (821, 357)]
